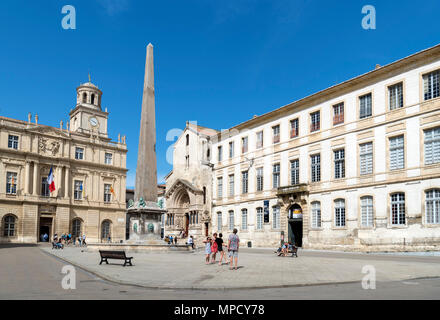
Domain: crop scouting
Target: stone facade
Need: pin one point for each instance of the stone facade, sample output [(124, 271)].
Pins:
[(89, 174), (353, 167)]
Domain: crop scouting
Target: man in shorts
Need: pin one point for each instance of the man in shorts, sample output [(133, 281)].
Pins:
[(233, 246)]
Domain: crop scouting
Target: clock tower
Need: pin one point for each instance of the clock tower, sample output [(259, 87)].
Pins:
[(87, 117)]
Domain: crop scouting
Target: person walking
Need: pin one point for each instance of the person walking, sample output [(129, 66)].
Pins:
[(233, 246), (207, 243), (214, 247), (191, 242), (84, 240), (171, 240), (219, 241), (175, 240)]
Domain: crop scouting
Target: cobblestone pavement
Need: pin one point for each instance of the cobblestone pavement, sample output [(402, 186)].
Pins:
[(257, 269), (26, 272)]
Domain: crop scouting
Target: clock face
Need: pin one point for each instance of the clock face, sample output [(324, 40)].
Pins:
[(94, 122)]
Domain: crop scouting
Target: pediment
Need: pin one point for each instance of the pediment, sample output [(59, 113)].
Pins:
[(49, 132), (181, 183)]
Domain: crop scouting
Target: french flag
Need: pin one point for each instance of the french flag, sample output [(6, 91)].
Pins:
[(50, 181)]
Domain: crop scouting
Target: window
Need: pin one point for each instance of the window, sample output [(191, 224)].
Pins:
[(93, 99), (339, 163), (315, 121), (231, 185), (11, 183), (260, 179), (244, 219), (367, 211), (397, 158), (186, 162), (432, 206), (366, 158), (231, 220), (259, 218), (245, 178), (395, 93), (340, 213), (231, 150), (294, 172), (79, 153), (204, 195), (107, 192), (276, 134), (13, 142), (105, 230), (220, 154), (431, 86), (84, 97), (276, 222), (365, 106), (45, 192), (316, 168), (316, 215), (398, 209), (187, 139), (432, 146), (108, 158), (294, 128), (220, 187), (76, 228), (219, 222), (338, 113), (78, 190), (244, 145), (9, 226), (259, 139), (276, 175)]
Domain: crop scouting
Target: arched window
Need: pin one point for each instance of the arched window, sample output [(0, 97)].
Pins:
[(231, 220), (340, 213), (367, 211), (9, 226), (432, 206), (244, 219), (92, 99), (84, 97), (187, 139), (316, 214), (259, 218), (76, 228), (105, 230)]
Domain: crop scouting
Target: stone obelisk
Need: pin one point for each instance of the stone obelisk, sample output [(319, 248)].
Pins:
[(144, 214), (146, 171)]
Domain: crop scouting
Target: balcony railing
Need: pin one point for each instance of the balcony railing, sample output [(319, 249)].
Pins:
[(292, 189)]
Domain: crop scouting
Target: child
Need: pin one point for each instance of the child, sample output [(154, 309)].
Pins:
[(207, 249)]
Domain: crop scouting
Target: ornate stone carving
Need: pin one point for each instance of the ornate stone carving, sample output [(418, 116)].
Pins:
[(48, 146)]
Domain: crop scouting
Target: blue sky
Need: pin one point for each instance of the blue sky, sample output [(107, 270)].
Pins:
[(216, 62)]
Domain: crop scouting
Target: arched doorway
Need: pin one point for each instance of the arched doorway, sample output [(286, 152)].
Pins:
[(295, 223)]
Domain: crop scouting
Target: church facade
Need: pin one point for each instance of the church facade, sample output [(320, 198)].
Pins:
[(353, 167), (89, 175)]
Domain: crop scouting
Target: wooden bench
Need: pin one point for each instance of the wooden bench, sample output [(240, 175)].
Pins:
[(117, 255)]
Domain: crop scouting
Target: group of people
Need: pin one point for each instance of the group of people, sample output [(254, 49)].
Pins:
[(215, 244), (284, 250), (67, 239), (170, 239)]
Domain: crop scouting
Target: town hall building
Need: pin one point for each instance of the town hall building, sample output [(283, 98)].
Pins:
[(89, 172)]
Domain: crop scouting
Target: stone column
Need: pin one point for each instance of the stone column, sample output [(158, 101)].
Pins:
[(35, 184), (27, 178), (66, 182), (58, 180)]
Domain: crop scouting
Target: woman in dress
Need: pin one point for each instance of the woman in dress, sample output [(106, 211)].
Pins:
[(214, 247), (207, 243)]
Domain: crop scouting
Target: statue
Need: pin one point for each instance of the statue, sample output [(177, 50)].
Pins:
[(135, 227), (142, 202), (130, 203), (150, 228)]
